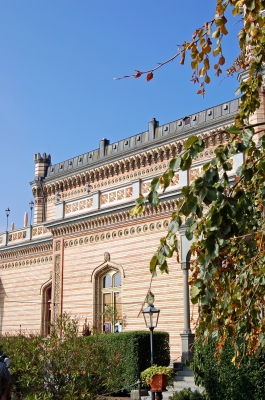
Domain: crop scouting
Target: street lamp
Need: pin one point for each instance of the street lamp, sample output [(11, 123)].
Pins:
[(31, 205), (151, 315), (7, 215)]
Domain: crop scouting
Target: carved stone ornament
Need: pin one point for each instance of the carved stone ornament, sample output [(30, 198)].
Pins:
[(106, 257)]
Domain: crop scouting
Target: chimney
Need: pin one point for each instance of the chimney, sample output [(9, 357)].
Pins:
[(152, 125)]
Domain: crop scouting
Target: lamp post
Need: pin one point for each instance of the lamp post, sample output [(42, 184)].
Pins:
[(7, 215), (31, 205), (151, 315)]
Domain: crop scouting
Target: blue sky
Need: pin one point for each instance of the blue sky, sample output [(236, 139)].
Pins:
[(57, 93)]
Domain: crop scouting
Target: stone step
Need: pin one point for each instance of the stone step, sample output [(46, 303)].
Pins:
[(185, 373)]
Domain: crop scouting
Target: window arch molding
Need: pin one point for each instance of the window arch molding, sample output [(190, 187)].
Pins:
[(96, 279), (46, 306)]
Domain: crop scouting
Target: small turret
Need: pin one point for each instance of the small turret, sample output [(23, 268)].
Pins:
[(41, 164)]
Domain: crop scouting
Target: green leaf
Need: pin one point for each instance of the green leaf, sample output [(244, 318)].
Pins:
[(164, 267), (167, 177), (140, 200), (233, 130), (153, 263), (175, 163), (188, 234), (153, 198), (166, 250), (194, 292), (173, 226), (227, 166), (198, 283), (190, 141), (211, 193), (155, 183), (186, 162)]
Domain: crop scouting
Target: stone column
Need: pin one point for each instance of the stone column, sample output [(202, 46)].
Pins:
[(187, 337)]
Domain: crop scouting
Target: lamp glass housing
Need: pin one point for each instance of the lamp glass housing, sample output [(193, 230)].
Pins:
[(151, 315)]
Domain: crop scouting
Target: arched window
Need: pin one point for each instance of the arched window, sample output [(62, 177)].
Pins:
[(111, 302), (46, 309)]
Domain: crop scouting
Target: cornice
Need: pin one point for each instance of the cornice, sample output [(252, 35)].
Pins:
[(109, 218), (27, 246), (128, 169), (26, 249), (153, 144)]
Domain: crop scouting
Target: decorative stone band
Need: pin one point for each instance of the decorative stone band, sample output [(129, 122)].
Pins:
[(104, 221), (113, 234), (79, 205), (115, 196), (17, 236), (196, 171), (146, 185), (29, 262), (39, 230)]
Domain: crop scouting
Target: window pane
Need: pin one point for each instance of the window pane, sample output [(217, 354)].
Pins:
[(107, 281), (117, 305), (117, 280)]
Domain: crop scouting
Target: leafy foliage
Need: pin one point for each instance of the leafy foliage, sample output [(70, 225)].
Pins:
[(134, 350), (66, 366), (224, 381), (63, 366), (226, 221), (187, 394)]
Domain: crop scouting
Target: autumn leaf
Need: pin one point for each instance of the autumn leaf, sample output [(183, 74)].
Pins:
[(149, 76), (221, 60)]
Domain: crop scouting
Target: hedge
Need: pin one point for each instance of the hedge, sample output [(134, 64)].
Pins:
[(134, 349), (222, 379)]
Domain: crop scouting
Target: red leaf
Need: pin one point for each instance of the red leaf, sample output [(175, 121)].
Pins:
[(138, 74), (149, 76)]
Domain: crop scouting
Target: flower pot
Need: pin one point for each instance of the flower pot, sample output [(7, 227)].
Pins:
[(159, 383)]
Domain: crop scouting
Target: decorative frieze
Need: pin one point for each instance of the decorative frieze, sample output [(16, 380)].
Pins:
[(19, 235), (28, 262), (39, 230), (113, 234), (146, 185), (80, 205), (118, 195)]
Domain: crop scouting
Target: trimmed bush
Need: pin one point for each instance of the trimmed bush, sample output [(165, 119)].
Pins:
[(133, 349), (187, 394), (75, 368), (223, 380)]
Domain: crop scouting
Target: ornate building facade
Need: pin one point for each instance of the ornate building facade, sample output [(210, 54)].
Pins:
[(86, 255)]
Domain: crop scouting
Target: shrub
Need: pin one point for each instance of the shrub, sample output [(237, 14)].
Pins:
[(134, 351), (66, 366), (222, 379), (187, 394), (61, 367)]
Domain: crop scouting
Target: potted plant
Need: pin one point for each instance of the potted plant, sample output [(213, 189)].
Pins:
[(158, 377)]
